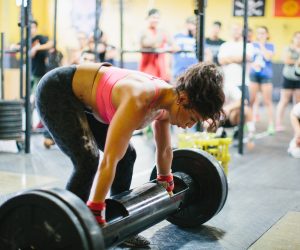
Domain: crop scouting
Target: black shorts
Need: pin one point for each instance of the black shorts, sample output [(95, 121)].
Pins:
[(227, 124), (290, 84)]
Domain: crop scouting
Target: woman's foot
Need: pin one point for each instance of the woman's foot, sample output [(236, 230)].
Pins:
[(136, 241), (271, 130)]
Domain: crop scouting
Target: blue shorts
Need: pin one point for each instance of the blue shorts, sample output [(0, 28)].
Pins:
[(260, 79)]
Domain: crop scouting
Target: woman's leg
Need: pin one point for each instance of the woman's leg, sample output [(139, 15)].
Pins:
[(296, 94), (266, 89), (124, 169), (285, 97), (64, 116), (254, 96)]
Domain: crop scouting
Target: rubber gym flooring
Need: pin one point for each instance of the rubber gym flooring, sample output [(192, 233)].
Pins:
[(264, 186)]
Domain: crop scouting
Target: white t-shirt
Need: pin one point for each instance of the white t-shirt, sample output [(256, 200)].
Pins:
[(233, 71)]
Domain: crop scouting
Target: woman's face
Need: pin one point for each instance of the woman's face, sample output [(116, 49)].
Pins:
[(183, 117), (153, 20), (262, 34)]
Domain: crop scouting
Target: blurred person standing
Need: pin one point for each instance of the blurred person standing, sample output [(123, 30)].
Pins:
[(82, 45), (185, 41), (105, 51), (39, 52), (40, 45), (154, 38), (231, 58), (213, 42), (261, 73), (291, 80)]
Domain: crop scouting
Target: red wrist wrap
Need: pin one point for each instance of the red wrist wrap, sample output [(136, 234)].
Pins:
[(168, 179), (98, 209)]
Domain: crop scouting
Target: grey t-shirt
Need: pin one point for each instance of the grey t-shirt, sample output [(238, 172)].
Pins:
[(289, 69)]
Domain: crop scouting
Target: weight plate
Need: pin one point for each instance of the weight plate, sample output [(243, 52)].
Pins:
[(17, 113), (210, 186), (83, 213), (9, 119), (4, 109), (10, 136), (12, 125), (36, 220), (7, 103), (10, 130)]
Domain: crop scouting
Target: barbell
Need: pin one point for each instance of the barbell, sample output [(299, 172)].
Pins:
[(57, 219)]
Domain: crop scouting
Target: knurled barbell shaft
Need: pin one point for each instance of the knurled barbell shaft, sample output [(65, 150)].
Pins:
[(134, 211)]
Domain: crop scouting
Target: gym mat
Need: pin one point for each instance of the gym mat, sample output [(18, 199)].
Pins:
[(284, 235)]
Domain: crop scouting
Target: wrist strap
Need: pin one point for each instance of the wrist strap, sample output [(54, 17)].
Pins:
[(167, 178), (96, 205)]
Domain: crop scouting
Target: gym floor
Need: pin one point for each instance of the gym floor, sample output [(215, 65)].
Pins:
[(263, 187)]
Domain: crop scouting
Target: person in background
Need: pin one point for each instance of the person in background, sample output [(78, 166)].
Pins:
[(40, 45), (291, 81), (39, 52), (261, 73), (154, 38), (82, 45), (213, 42), (185, 41), (87, 56), (250, 35), (230, 58), (106, 52), (294, 146)]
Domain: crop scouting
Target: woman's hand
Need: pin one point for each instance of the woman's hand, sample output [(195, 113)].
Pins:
[(98, 209), (167, 182)]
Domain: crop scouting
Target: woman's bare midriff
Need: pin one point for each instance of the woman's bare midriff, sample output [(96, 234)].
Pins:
[(85, 82)]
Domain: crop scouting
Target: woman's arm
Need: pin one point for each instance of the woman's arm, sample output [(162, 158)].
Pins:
[(267, 53), (164, 152), (287, 57), (126, 119)]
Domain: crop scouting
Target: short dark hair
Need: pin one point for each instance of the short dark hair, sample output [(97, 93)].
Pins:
[(218, 23), (203, 83), (35, 22), (153, 12)]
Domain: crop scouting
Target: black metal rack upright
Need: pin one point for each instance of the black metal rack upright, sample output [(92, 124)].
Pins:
[(242, 113), (55, 25), (2, 65), (97, 31), (121, 6), (28, 19), (200, 34), (21, 65)]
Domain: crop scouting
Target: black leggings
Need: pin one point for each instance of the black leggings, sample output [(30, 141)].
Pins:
[(77, 133)]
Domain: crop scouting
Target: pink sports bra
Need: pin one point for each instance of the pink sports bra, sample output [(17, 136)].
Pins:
[(104, 105)]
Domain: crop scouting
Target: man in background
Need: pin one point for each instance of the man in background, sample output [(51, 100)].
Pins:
[(185, 43), (213, 42)]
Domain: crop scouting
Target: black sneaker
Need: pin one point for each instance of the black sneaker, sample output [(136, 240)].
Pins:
[(136, 241)]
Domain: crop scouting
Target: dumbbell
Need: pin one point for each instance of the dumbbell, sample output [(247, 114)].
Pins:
[(57, 219)]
